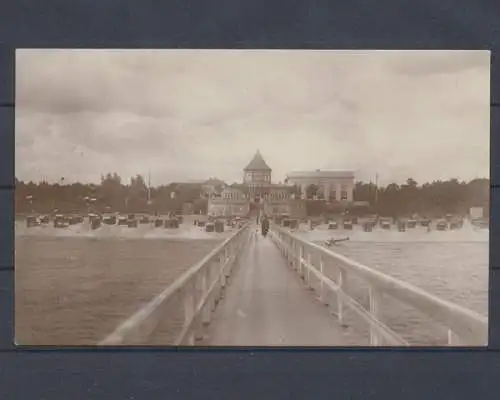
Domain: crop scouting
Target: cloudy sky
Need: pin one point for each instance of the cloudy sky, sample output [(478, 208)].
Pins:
[(188, 115)]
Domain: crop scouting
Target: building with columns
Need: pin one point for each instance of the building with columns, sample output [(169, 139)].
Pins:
[(332, 185), (258, 192)]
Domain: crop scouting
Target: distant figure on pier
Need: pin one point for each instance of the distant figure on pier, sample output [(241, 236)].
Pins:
[(264, 226)]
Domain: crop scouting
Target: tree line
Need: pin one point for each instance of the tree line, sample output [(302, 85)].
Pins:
[(434, 198), (111, 194)]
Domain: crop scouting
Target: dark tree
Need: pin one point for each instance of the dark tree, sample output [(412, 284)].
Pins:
[(429, 199), (311, 191)]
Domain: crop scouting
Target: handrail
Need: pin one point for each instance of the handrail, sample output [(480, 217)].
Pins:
[(208, 276), (464, 326)]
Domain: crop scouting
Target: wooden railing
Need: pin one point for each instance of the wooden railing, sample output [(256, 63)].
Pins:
[(197, 292), (464, 327)]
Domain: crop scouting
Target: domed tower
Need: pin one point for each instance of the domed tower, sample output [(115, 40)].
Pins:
[(257, 175)]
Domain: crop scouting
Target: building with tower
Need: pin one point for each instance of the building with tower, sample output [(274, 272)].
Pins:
[(257, 194), (265, 196), (257, 177)]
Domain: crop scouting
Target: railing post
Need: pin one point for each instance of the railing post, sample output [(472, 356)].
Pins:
[(218, 279), (288, 247), (189, 305), (453, 339), (296, 255), (322, 296), (375, 298), (206, 315), (307, 277), (222, 264), (229, 260), (197, 321), (213, 279), (237, 246), (342, 284), (301, 258)]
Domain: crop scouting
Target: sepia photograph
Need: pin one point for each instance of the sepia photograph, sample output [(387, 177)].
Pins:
[(252, 198)]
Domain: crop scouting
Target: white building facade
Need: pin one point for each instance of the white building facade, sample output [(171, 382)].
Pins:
[(259, 193), (277, 201), (332, 185), (228, 203)]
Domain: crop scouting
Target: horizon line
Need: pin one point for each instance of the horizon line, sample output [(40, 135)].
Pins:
[(202, 181)]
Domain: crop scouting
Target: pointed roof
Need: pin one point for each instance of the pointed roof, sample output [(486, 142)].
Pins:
[(257, 164)]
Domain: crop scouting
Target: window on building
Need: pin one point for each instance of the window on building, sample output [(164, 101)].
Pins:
[(333, 195), (343, 195)]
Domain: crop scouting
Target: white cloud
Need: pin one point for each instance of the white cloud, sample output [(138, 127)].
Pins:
[(194, 114)]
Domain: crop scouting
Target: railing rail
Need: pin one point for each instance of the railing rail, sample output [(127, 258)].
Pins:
[(199, 289), (465, 327)]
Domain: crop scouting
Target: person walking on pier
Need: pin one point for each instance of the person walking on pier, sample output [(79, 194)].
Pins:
[(264, 225)]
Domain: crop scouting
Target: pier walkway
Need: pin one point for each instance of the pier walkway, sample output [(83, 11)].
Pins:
[(267, 304), (275, 291)]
